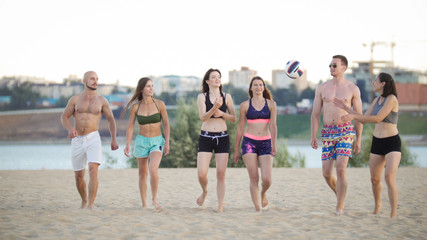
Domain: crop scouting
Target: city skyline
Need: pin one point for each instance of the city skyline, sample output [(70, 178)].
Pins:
[(126, 40)]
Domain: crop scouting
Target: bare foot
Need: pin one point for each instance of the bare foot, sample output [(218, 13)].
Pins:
[(377, 209), (200, 200), (393, 214), (264, 201), (156, 205), (84, 204), (90, 208), (340, 212), (220, 208)]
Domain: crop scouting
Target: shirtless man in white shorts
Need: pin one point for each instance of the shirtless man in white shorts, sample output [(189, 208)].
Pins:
[(87, 109)]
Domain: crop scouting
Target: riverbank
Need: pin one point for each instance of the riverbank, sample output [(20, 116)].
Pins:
[(46, 127)]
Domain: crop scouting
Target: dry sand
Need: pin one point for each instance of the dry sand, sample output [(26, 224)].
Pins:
[(44, 205)]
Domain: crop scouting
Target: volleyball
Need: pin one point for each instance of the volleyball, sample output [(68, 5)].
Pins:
[(293, 70)]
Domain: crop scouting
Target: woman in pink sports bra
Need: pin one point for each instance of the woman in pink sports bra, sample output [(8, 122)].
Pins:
[(259, 140)]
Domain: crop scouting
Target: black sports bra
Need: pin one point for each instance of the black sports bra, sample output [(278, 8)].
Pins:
[(209, 104)]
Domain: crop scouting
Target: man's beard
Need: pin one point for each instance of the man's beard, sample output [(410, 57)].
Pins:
[(91, 88)]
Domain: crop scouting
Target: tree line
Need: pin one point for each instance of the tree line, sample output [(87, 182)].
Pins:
[(22, 97), (282, 96), (184, 140)]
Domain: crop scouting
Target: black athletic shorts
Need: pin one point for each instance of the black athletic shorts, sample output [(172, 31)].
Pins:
[(214, 141), (382, 146)]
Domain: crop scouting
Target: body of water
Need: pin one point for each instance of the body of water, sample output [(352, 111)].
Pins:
[(58, 156)]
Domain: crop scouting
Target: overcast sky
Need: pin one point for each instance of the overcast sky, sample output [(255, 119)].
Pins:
[(126, 40)]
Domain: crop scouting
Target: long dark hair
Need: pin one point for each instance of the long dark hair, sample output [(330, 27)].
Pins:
[(137, 96), (266, 94), (389, 86), (205, 86)]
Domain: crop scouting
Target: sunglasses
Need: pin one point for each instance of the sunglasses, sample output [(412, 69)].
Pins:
[(333, 65)]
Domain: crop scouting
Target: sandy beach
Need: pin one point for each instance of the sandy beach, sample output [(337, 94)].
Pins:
[(44, 204)]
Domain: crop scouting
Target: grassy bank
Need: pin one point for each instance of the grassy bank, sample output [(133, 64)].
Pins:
[(48, 126), (298, 126)]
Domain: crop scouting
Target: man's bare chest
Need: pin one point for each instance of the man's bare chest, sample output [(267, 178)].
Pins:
[(329, 93), (91, 106)]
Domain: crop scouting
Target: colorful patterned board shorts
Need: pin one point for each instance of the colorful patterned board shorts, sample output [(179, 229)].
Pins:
[(337, 140)]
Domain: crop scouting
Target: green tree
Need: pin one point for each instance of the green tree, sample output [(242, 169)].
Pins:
[(183, 137), (307, 93), (292, 97), (22, 97), (168, 98), (191, 95), (284, 96), (239, 95), (5, 91), (285, 159), (231, 129), (185, 132), (62, 102), (132, 161)]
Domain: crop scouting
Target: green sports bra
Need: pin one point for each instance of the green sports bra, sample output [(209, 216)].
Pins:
[(155, 118)]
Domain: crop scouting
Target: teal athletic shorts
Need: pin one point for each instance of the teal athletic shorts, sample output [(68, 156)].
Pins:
[(145, 145)]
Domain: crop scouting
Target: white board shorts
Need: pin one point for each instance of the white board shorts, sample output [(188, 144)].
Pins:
[(86, 149)]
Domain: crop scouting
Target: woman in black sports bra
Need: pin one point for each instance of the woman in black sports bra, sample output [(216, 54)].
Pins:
[(386, 144), (213, 104), (149, 143)]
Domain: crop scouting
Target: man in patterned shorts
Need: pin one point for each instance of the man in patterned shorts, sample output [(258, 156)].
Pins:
[(337, 136)]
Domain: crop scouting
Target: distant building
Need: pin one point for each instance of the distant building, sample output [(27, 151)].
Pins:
[(176, 84), (241, 78), (360, 75), (412, 97), (13, 81), (118, 101), (57, 90), (406, 76), (281, 80), (46, 102)]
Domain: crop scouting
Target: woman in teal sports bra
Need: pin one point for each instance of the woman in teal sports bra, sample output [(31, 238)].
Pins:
[(386, 143), (149, 143)]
